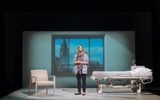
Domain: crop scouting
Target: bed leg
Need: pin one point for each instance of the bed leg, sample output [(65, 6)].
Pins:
[(139, 89), (135, 86), (110, 82), (97, 82), (100, 88)]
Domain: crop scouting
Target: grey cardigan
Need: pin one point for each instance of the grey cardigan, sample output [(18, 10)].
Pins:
[(84, 68)]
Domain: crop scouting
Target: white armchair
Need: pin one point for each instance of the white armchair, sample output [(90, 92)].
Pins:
[(40, 78)]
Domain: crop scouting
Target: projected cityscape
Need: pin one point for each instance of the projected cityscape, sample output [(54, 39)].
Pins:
[(65, 49)]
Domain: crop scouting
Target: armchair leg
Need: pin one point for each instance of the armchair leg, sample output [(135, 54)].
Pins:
[(36, 88), (29, 88), (47, 90), (54, 89)]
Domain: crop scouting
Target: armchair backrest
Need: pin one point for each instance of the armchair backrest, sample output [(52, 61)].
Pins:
[(41, 75)]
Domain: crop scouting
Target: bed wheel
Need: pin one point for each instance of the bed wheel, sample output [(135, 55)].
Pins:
[(135, 87), (99, 89), (139, 89)]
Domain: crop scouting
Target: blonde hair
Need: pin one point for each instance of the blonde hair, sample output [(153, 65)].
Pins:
[(77, 51)]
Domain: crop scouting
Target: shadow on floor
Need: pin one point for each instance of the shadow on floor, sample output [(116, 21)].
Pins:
[(154, 90), (28, 93)]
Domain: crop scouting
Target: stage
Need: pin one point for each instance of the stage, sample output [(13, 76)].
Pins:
[(91, 94)]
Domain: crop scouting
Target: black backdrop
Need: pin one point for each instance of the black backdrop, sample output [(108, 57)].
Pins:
[(77, 16)]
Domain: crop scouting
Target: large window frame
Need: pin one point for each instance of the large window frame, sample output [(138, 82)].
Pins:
[(53, 64)]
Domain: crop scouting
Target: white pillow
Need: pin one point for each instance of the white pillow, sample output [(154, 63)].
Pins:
[(144, 71)]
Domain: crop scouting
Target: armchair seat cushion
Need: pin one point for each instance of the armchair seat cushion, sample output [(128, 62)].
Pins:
[(45, 83)]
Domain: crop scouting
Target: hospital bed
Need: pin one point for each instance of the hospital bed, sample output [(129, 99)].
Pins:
[(138, 77)]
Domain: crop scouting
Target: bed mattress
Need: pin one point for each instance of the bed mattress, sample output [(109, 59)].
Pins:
[(112, 74)]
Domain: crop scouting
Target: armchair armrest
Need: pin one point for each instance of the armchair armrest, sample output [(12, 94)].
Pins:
[(54, 80), (52, 77)]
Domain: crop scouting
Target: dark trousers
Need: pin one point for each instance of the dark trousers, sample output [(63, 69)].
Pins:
[(79, 78)]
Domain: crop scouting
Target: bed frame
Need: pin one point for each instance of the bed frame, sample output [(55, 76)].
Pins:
[(135, 85)]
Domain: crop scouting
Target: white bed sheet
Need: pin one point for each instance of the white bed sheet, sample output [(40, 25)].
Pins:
[(112, 74)]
